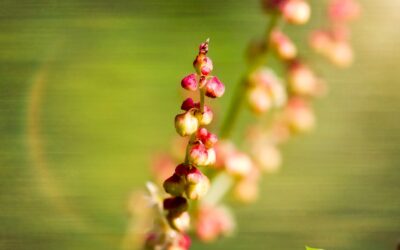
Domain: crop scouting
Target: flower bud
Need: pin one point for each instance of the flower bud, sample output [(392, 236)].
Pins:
[(179, 221), (211, 157), (183, 169), (259, 100), (299, 115), (206, 117), (214, 87), (175, 204), (246, 191), (213, 222), (284, 47), (207, 138), (174, 185), (343, 10), (186, 123), (302, 79), (341, 54), (239, 164), (190, 82), (153, 240), (198, 154), (194, 176), (267, 157), (197, 190), (184, 242), (296, 11), (263, 77), (320, 41), (272, 5), (203, 65), (187, 104)]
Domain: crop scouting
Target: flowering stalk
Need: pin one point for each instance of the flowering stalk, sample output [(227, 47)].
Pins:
[(287, 102), (188, 182)]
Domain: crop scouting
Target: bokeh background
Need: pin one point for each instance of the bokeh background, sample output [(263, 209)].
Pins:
[(88, 91)]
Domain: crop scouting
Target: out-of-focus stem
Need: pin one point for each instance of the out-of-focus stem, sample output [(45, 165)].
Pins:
[(241, 88)]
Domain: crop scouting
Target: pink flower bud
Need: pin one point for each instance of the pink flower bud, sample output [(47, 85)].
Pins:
[(190, 82), (264, 77), (343, 10), (184, 242), (267, 156), (179, 221), (186, 123), (213, 222), (284, 47), (194, 176), (246, 191), (296, 11), (198, 190), (198, 154), (299, 115), (175, 204), (187, 104), (203, 65), (174, 185), (239, 164), (341, 54), (320, 41), (302, 80), (259, 100), (214, 87), (207, 138)]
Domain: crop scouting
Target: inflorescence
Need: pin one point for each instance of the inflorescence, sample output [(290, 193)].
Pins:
[(211, 167)]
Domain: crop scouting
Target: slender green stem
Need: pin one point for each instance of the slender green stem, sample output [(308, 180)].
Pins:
[(241, 88)]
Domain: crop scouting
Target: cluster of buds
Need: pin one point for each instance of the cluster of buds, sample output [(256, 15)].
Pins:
[(188, 182), (334, 41), (288, 100), (265, 91), (293, 11)]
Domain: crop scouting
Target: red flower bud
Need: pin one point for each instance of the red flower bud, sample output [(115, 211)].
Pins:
[(184, 242), (186, 123), (214, 87), (176, 204), (203, 65), (174, 185), (183, 169), (207, 138), (198, 154), (190, 82), (187, 104)]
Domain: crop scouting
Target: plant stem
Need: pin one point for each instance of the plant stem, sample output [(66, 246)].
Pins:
[(241, 88)]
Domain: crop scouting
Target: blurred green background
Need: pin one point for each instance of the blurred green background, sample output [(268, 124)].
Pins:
[(88, 91)]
